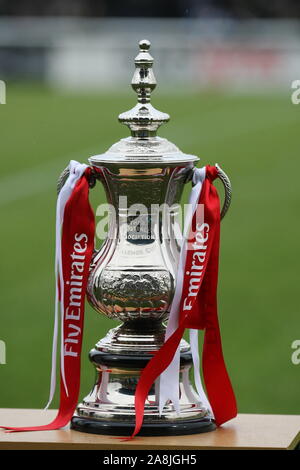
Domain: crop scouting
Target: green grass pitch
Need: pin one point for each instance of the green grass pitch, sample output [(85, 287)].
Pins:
[(254, 138)]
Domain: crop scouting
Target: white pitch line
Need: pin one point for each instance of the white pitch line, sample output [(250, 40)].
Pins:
[(32, 181)]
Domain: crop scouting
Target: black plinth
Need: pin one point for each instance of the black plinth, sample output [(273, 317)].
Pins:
[(164, 427), (126, 429)]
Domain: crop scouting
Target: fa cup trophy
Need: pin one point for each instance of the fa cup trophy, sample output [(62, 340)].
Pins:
[(132, 279), (133, 276), (148, 276)]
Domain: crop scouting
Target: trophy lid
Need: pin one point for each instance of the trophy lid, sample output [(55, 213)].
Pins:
[(143, 120)]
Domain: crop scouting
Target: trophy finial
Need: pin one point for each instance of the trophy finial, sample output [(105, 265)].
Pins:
[(144, 45), (143, 80), (143, 120)]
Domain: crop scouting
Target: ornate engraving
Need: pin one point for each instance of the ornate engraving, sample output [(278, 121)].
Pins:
[(129, 295)]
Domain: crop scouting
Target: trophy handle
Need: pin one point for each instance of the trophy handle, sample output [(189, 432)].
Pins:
[(227, 187), (63, 178), (65, 173)]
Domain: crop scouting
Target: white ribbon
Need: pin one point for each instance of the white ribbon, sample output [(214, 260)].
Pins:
[(76, 171), (196, 367), (169, 379)]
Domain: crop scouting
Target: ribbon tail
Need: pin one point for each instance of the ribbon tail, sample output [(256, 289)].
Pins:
[(151, 372), (196, 365), (60, 206), (214, 371), (169, 384), (54, 355)]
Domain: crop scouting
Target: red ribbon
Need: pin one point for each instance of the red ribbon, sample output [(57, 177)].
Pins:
[(198, 312), (77, 249)]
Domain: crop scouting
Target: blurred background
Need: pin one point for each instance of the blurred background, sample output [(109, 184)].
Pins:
[(224, 70)]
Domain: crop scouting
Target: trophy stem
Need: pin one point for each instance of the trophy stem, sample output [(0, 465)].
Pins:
[(134, 337)]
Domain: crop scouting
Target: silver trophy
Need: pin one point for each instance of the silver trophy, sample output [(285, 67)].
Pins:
[(133, 276)]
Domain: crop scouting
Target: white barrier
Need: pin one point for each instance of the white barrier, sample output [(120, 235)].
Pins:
[(189, 53)]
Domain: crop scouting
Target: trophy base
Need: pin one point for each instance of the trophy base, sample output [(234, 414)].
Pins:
[(125, 429), (109, 408)]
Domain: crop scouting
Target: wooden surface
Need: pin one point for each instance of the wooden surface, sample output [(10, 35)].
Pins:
[(244, 432)]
